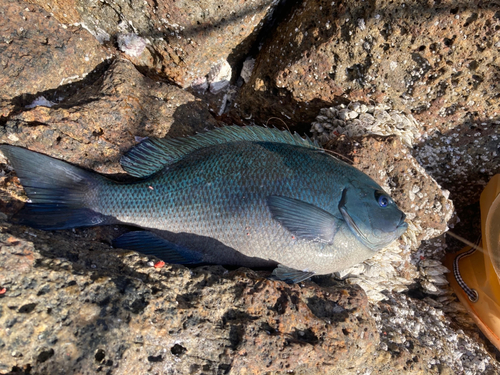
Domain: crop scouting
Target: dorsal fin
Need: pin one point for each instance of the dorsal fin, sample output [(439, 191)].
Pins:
[(153, 154)]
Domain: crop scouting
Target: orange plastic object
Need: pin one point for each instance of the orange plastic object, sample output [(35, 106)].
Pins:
[(481, 271)]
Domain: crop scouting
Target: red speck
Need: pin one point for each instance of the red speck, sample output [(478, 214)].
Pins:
[(3, 290), (293, 237), (336, 133), (422, 257), (159, 264)]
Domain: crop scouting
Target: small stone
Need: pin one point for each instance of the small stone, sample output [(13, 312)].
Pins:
[(131, 44), (246, 71), (219, 76)]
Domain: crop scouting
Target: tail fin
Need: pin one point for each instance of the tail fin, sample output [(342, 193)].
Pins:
[(58, 192)]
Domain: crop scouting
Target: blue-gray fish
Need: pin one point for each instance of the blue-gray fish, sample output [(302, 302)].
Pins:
[(246, 196)]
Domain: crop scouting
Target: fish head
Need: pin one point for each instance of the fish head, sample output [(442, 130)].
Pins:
[(372, 215)]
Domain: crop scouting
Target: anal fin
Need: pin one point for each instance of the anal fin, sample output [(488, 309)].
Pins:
[(150, 244), (290, 275)]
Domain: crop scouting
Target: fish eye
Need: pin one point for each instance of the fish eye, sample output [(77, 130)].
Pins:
[(382, 199)]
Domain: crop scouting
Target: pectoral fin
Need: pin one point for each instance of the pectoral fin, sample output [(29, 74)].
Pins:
[(303, 219), (290, 275), (151, 244)]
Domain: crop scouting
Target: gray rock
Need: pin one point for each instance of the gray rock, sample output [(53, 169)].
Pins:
[(181, 42), (436, 61), (38, 54)]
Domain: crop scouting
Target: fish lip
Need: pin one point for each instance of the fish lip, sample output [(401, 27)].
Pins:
[(402, 222)]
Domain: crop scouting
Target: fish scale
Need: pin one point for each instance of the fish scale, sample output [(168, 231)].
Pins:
[(190, 194), (245, 196)]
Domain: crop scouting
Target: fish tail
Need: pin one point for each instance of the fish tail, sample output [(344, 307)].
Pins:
[(59, 193)]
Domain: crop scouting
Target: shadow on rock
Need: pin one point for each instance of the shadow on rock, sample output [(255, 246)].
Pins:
[(98, 123), (359, 51)]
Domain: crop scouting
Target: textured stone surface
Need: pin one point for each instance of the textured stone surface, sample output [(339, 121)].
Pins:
[(437, 60), (463, 159), (80, 307), (414, 330), (97, 124), (37, 53), (180, 41)]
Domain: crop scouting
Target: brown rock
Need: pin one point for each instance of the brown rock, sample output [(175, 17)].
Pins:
[(38, 54), (79, 307), (438, 60), (463, 159), (95, 126), (178, 41)]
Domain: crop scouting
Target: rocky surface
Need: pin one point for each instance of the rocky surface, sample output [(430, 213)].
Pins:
[(37, 53), (94, 126), (87, 89), (463, 159), (178, 41), (70, 304), (85, 308), (437, 60)]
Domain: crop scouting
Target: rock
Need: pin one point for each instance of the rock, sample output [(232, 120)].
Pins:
[(219, 76), (437, 61), (414, 329), (74, 305), (463, 159), (97, 124), (37, 53), (182, 42), (357, 120)]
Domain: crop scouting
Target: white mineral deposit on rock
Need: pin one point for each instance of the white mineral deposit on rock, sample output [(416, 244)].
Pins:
[(246, 70), (40, 102), (131, 44), (219, 76), (424, 325), (200, 84)]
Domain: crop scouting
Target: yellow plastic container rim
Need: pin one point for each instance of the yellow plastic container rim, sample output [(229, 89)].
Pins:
[(480, 271)]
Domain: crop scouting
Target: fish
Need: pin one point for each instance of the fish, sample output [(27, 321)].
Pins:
[(243, 196)]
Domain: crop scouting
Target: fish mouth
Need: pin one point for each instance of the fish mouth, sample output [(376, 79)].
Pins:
[(402, 222), (402, 225)]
